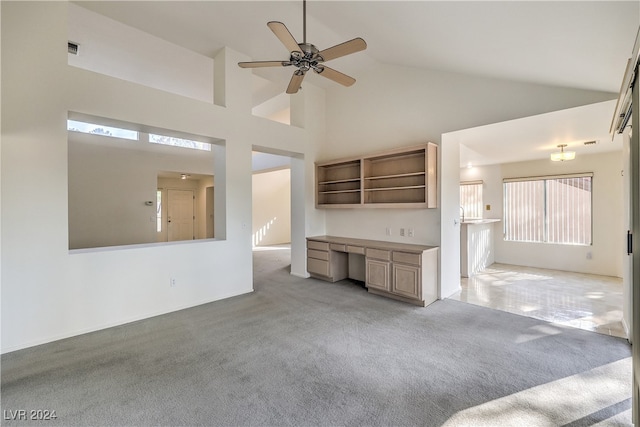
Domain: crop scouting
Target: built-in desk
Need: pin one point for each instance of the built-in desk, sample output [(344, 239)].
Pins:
[(405, 272)]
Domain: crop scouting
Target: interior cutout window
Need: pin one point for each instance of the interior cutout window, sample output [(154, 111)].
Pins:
[(549, 209), (127, 192)]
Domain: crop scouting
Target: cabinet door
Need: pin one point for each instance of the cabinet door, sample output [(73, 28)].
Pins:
[(406, 281), (317, 266), (377, 275)]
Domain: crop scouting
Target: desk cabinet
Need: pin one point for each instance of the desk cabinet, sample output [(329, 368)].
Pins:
[(324, 263), (401, 271)]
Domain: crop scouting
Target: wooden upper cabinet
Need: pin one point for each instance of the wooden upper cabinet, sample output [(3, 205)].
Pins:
[(403, 177)]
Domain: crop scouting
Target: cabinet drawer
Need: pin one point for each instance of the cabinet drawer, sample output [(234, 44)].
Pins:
[(312, 253), (321, 246), (317, 266), (379, 254), (337, 247), (407, 258), (355, 249)]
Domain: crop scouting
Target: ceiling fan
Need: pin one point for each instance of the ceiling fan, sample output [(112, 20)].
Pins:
[(305, 56)]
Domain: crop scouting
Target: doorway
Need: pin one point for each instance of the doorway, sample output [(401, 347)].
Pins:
[(185, 206), (272, 191), (180, 217), (471, 160)]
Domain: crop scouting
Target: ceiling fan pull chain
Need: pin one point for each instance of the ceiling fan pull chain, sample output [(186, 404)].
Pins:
[(304, 21)]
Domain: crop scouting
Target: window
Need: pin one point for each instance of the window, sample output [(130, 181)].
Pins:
[(471, 199), (548, 209), (96, 129), (84, 127), (179, 142)]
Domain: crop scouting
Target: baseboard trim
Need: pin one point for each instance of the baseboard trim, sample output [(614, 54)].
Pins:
[(627, 330), (108, 325), (302, 276)]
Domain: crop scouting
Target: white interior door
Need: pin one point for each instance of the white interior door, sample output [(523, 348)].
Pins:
[(180, 217)]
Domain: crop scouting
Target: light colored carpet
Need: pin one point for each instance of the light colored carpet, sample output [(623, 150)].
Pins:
[(303, 352)]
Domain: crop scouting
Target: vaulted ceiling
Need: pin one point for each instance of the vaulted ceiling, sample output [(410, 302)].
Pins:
[(577, 44)]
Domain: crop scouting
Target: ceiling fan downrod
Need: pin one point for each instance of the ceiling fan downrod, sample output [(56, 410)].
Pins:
[(304, 21)]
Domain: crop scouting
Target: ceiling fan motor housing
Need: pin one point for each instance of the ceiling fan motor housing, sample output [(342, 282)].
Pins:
[(308, 58)]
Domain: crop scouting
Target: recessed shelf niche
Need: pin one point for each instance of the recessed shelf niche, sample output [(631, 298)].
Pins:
[(395, 178)]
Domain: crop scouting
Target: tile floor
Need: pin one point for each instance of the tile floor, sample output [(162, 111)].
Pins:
[(583, 301)]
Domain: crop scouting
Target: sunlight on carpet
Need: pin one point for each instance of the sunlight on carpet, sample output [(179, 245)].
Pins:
[(560, 402)]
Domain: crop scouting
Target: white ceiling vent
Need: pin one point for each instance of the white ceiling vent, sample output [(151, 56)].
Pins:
[(72, 48)]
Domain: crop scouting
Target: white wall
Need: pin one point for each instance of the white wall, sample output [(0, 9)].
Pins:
[(491, 175), (393, 106), (608, 240), (112, 48), (49, 293), (271, 207)]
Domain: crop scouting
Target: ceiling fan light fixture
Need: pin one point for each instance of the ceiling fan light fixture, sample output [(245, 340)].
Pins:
[(561, 156)]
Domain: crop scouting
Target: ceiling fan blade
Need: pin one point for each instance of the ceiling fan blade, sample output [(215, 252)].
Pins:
[(296, 82), (259, 64), (342, 49), (336, 76), (282, 33)]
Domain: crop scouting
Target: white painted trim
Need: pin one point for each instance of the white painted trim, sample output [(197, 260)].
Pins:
[(103, 326)]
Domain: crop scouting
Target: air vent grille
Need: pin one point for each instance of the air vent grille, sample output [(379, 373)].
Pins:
[(72, 48), (590, 142)]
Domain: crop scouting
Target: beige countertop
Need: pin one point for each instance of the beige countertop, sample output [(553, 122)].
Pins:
[(374, 244)]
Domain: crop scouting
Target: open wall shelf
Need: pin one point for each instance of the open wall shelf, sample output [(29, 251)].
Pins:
[(396, 178)]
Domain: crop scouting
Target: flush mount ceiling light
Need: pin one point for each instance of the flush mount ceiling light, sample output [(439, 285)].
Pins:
[(561, 156), (184, 176)]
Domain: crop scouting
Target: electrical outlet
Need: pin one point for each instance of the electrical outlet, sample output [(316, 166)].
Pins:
[(589, 255), (488, 207), (388, 231), (411, 232), (172, 282), (402, 231)]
